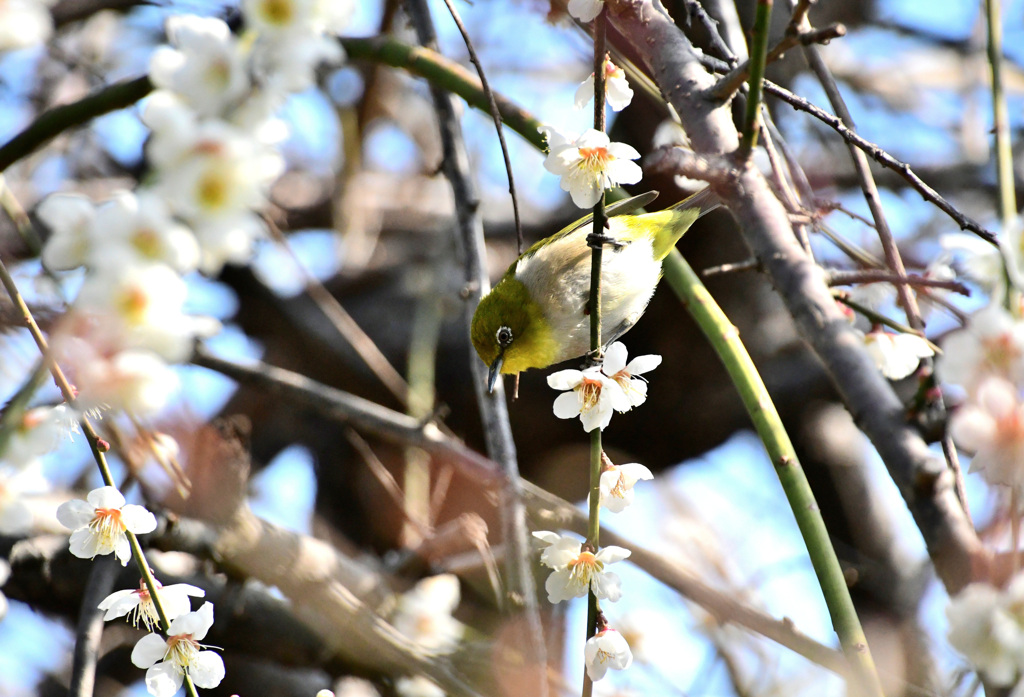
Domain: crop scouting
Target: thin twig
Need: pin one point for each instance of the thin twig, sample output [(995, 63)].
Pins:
[(883, 158), (734, 79), (345, 323), (842, 277), (695, 9), (496, 116)]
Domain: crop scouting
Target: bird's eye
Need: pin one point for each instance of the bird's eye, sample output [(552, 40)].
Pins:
[(504, 337)]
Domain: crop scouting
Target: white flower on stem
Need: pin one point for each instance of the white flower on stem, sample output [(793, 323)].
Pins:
[(626, 374), (168, 660), (100, 524), (617, 484), (140, 306), (576, 571), (606, 649), (424, 614), (138, 604), (992, 344), (896, 355), (418, 686), (992, 426), (592, 396), (616, 87), (138, 229), (592, 164), (24, 23), (206, 169), (205, 66), (71, 219), (585, 10), (985, 626)]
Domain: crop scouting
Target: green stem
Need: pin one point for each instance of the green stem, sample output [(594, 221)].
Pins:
[(55, 121), (446, 74), (758, 61), (726, 342), (1001, 120), (596, 254)]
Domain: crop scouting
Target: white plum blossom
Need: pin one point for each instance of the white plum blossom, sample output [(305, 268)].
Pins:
[(626, 375), (24, 23), (138, 604), (987, 626), (137, 228), (992, 427), (896, 355), (606, 649), (167, 660), (228, 239), (212, 170), (591, 164), (424, 614), (71, 220), (205, 66), (591, 395), (992, 344), (617, 483), (978, 260), (617, 90), (585, 10), (100, 523), (140, 306), (418, 686), (575, 571)]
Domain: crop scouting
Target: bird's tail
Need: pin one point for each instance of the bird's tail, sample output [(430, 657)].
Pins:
[(704, 200)]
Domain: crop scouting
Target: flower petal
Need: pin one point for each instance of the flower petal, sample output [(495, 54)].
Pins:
[(164, 680), (149, 649), (105, 497), (614, 358), (137, 519), (207, 670), (567, 405), (565, 379), (75, 514), (643, 364)]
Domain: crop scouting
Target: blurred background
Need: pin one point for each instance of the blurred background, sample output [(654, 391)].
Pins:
[(363, 210)]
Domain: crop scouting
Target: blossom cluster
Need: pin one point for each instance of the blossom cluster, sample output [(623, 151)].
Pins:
[(101, 525), (596, 393), (424, 616), (213, 153)]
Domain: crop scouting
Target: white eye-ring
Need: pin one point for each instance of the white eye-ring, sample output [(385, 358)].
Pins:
[(503, 336)]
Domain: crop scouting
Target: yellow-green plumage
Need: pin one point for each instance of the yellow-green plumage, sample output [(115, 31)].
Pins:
[(536, 314)]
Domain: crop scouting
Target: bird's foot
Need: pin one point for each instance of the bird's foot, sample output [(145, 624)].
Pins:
[(595, 241)]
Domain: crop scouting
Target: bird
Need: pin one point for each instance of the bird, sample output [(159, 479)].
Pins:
[(538, 313)]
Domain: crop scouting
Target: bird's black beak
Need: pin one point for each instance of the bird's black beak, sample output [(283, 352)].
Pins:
[(494, 372)]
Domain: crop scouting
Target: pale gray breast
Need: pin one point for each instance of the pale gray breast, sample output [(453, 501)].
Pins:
[(558, 277)]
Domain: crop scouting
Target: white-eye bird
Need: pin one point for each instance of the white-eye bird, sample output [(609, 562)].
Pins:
[(537, 314)]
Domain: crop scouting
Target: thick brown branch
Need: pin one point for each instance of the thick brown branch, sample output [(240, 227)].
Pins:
[(922, 478)]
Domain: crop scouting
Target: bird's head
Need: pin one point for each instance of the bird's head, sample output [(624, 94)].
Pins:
[(510, 332)]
